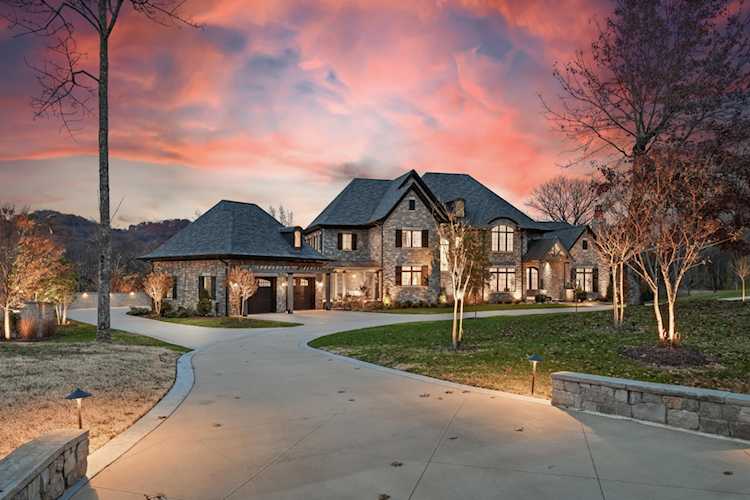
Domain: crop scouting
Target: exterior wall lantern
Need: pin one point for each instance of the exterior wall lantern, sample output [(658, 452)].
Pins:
[(534, 359), (78, 395)]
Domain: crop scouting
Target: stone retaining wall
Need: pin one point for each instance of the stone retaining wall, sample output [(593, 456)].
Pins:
[(89, 300), (704, 410), (44, 468)]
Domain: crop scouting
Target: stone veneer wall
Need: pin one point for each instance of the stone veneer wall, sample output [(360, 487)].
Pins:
[(187, 273), (403, 218), (705, 410), (589, 258), (45, 467)]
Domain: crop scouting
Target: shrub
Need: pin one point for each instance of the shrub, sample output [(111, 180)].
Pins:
[(205, 304), (167, 309), (540, 298), (581, 296), (139, 311)]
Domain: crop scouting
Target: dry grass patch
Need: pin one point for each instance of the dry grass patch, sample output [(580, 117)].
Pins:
[(126, 380)]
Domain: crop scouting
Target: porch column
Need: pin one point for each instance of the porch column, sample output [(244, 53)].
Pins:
[(328, 291), (290, 293)]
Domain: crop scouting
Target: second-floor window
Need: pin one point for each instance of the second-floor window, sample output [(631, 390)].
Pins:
[(347, 242), (297, 239), (503, 279), (315, 241), (412, 238), (502, 238)]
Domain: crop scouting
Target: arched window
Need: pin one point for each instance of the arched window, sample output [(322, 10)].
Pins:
[(502, 238), (532, 278)]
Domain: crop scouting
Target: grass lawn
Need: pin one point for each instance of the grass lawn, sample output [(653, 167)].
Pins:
[(495, 349), (228, 322), (127, 378), (472, 308)]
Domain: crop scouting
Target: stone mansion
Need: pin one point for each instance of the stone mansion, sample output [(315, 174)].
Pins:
[(377, 241)]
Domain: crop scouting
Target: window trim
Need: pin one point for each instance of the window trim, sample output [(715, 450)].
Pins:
[(584, 271), (529, 278), (344, 246), (407, 238)]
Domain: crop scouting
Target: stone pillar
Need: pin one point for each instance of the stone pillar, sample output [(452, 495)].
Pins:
[(290, 293), (328, 291)]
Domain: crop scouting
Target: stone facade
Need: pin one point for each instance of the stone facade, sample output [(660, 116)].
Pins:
[(421, 218), (44, 468), (704, 410), (589, 257), (188, 271)]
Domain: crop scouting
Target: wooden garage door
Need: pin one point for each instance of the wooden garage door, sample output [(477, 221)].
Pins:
[(304, 293), (264, 300)]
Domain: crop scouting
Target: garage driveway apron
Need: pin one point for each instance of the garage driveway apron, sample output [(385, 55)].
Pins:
[(270, 418)]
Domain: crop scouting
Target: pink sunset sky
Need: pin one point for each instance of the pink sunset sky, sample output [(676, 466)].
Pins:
[(284, 101)]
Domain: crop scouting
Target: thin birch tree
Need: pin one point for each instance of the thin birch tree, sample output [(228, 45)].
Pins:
[(242, 286), (741, 268), (156, 285)]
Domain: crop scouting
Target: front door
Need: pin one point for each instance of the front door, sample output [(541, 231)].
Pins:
[(304, 293)]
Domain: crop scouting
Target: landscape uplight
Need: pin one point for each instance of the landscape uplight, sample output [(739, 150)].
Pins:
[(78, 395), (534, 359)]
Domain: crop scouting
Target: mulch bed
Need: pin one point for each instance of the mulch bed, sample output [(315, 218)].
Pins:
[(668, 356)]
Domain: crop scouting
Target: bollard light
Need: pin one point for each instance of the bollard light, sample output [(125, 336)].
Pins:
[(78, 395), (534, 359)]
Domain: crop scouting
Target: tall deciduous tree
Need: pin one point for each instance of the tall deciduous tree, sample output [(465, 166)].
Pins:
[(281, 214), (157, 285), (67, 87), (615, 239), (660, 72), (242, 285), (27, 260), (674, 222), (564, 199)]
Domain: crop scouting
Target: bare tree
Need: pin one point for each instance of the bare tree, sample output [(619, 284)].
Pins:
[(564, 199), (741, 267), (242, 285), (281, 214), (60, 289), (157, 285), (615, 240), (660, 72), (462, 241), (67, 87), (27, 260), (673, 224)]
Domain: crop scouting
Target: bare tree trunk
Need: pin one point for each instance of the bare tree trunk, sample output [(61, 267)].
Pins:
[(65, 314), (6, 322), (672, 332), (743, 289), (615, 296), (622, 292), (657, 313), (454, 325), (105, 245), (461, 322)]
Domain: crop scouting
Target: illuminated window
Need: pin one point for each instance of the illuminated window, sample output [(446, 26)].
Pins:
[(532, 278), (411, 238), (444, 255), (502, 238), (503, 279), (585, 278), (411, 276), (297, 238)]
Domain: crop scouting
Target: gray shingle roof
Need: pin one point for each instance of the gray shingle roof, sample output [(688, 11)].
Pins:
[(365, 201), (233, 229), (567, 235), (482, 205)]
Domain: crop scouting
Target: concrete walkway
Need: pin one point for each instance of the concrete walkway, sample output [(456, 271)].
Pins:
[(270, 418)]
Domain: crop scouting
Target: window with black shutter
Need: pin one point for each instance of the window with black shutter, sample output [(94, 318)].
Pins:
[(398, 275), (595, 288), (425, 276), (354, 241), (340, 241), (174, 287), (398, 238), (425, 238)]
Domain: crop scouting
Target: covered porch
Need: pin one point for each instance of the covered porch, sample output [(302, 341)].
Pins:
[(356, 283)]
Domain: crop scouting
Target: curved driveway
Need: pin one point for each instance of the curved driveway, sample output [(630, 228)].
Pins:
[(270, 418)]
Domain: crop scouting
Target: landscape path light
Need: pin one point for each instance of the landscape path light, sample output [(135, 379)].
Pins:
[(78, 395), (534, 359)]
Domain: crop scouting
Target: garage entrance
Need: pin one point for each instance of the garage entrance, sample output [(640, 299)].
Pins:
[(304, 293), (264, 299)]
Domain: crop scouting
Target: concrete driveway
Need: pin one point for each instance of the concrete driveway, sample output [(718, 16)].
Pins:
[(270, 418)]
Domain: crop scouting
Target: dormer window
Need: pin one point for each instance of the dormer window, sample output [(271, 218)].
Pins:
[(502, 238), (297, 238), (412, 204)]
